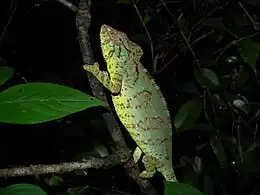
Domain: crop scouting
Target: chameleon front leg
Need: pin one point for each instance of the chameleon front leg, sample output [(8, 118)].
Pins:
[(149, 167), (114, 83)]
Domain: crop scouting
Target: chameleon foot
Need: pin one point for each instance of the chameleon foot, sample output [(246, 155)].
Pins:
[(92, 68), (150, 169), (137, 154)]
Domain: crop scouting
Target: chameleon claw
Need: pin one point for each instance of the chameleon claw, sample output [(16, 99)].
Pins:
[(92, 67)]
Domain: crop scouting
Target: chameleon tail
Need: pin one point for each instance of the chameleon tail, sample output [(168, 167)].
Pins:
[(169, 175)]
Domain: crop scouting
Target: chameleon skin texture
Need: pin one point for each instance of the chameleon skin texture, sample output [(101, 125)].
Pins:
[(138, 101)]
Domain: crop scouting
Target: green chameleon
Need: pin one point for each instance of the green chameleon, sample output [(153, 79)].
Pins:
[(138, 102)]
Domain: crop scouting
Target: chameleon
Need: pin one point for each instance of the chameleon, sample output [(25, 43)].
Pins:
[(137, 100)]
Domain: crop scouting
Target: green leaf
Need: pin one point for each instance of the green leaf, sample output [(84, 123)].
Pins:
[(40, 102), (241, 105), (5, 74), (251, 161), (146, 19), (98, 150), (188, 87), (187, 114), (240, 102), (208, 78), (219, 151), (55, 180), (249, 51), (189, 176), (208, 185), (203, 127), (172, 188), (219, 103), (22, 189)]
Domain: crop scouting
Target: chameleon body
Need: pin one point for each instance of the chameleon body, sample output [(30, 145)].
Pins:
[(138, 101)]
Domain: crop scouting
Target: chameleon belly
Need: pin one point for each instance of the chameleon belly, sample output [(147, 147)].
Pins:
[(137, 100)]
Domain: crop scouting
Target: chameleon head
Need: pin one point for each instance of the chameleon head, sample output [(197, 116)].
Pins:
[(115, 43)]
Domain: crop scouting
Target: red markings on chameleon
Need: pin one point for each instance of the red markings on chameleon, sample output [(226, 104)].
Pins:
[(132, 76), (156, 123), (145, 96)]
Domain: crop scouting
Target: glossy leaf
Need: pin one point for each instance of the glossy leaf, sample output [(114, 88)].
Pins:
[(219, 103), (188, 87), (172, 188), (207, 78), (187, 114), (241, 103), (5, 74), (251, 161), (197, 164), (208, 185), (22, 189), (40, 102), (55, 180), (203, 127), (189, 176), (249, 51), (219, 151)]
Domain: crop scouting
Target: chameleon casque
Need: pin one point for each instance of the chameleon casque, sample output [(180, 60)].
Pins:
[(138, 102)]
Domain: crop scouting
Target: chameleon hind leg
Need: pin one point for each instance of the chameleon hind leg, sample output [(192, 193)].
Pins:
[(137, 154), (149, 167)]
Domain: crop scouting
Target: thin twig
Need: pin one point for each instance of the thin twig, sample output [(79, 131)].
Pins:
[(202, 37), (182, 34), (248, 15), (155, 71), (8, 23), (233, 43), (205, 108), (239, 147), (230, 32), (191, 50), (209, 14), (146, 30)]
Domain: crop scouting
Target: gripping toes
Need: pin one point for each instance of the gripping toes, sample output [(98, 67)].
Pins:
[(149, 167), (92, 68)]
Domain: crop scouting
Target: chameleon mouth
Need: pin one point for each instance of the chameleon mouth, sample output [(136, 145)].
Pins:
[(106, 32), (106, 27)]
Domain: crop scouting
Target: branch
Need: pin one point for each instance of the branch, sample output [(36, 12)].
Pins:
[(71, 6), (106, 162)]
